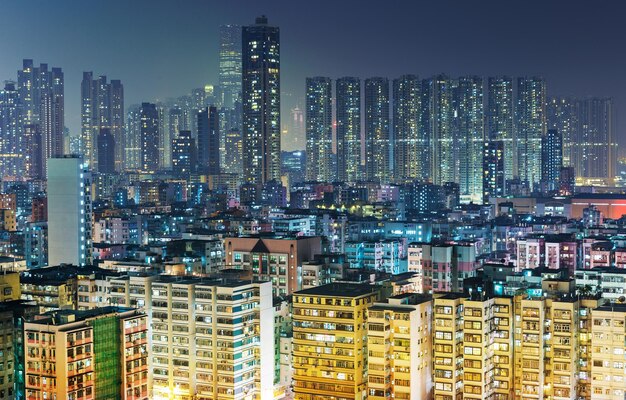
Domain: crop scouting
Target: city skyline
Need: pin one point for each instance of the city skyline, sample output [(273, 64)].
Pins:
[(163, 67)]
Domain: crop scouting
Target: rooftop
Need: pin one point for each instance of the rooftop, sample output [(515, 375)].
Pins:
[(340, 290)]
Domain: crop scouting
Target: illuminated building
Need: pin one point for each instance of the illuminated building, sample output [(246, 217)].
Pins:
[(102, 107), (551, 158), (438, 101), (233, 152), (607, 347), (209, 141), (500, 121), (399, 345), (531, 127), (442, 267), (230, 64), (410, 145), (69, 211), (106, 151), (41, 92), (34, 162), (212, 339), (330, 341), (493, 170), (447, 344), (377, 130), (319, 127), (132, 140), (563, 115), (11, 132), (597, 140), (183, 154), (100, 353), (149, 134), (277, 259), (348, 114), (469, 133), (261, 102)]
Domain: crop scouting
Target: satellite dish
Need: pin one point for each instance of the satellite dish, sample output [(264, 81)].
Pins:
[(621, 299)]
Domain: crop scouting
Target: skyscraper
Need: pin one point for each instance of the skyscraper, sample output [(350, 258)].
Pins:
[(493, 170), (348, 129), (183, 154), (149, 130), (11, 132), (102, 107), (551, 158), (319, 129), (41, 93), (132, 139), (411, 146), (233, 152), (500, 120), (230, 64), (596, 140), (469, 133), (209, 141), (438, 95), (69, 211), (106, 151), (531, 126), (261, 102), (34, 162), (377, 130)]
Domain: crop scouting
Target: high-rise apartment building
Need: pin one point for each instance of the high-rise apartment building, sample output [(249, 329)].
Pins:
[(261, 102), (531, 126), (102, 107), (233, 152), (330, 341), (96, 354), (41, 93), (230, 64), (69, 211), (469, 134), (551, 158), (319, 129), (563, 115), (212, 339), (132, 139), (183, 154), (106, 151), (500, 126), (11, 132), (411, 153), (348, 115), (377, 138), (438, 102), (149, 134), (494, 183), (209, 141), (607, 335), (399, 348)]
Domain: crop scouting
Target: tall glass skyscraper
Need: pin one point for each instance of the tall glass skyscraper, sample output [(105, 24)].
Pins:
[(319, 129), (377, 130), (500, 120), (348, 116), (230, 64), (102, 107), (261, 102), (469, 133), (411, 159), (132, 139), (531, 126)]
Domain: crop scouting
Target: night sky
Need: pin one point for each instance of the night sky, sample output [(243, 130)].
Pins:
[(164, 49)]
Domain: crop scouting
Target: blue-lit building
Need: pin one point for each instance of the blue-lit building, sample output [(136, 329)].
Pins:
[(551, 159)]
